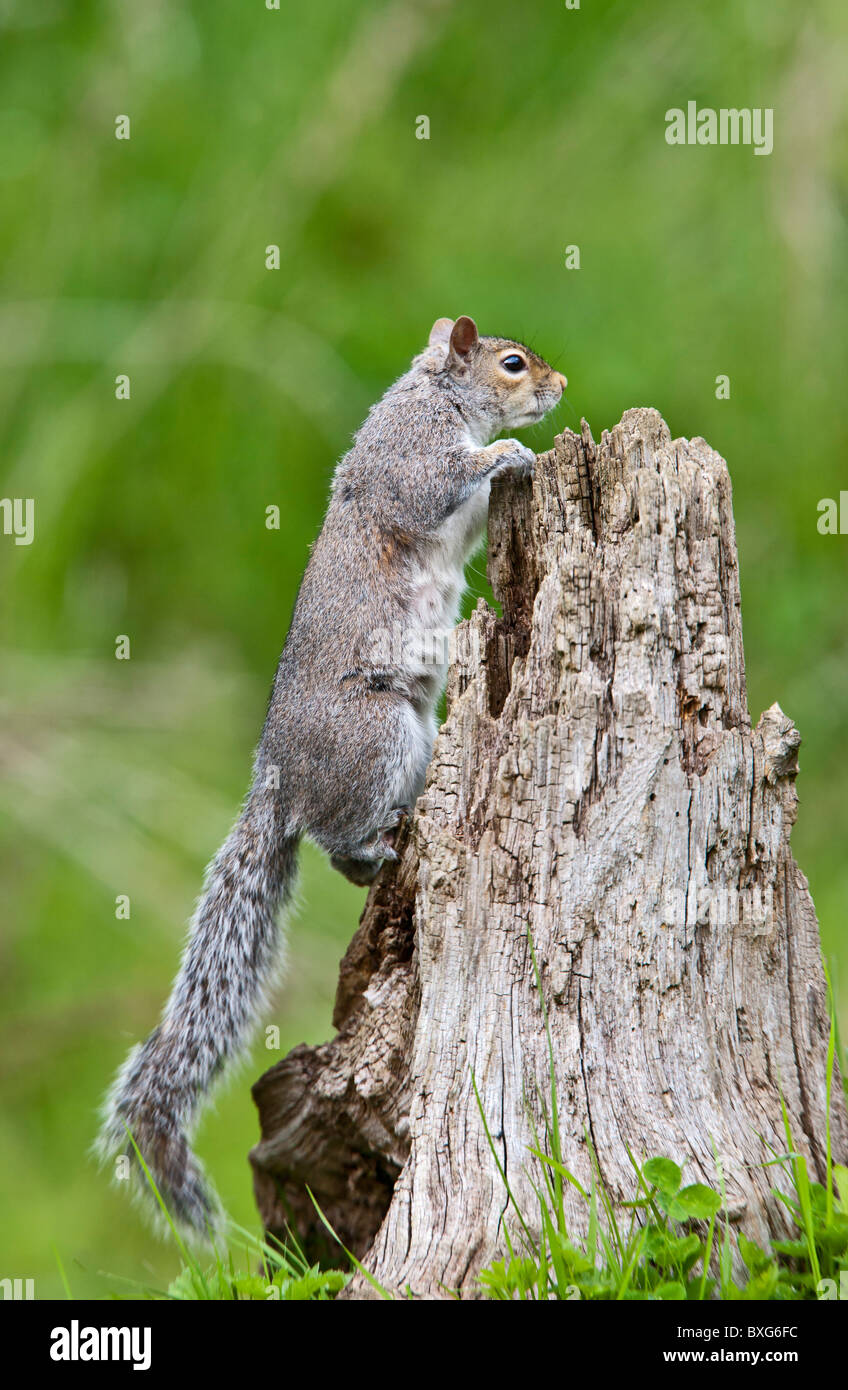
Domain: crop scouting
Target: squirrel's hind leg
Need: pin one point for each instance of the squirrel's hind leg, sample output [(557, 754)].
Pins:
[(363, 863), (381, 784), (362, 872)]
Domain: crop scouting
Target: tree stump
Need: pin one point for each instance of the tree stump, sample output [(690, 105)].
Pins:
[(598, 782)]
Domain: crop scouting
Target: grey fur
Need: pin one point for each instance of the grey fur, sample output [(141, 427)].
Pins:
[(349, 730)]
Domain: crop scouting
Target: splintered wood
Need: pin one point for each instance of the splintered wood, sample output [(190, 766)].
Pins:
[(597, 788)]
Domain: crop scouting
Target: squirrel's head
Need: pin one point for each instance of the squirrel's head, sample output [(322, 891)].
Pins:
[(503, 384)]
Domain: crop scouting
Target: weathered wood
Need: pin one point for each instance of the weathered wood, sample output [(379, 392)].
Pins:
[(597, 780)]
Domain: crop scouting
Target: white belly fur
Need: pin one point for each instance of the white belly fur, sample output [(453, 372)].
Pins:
[(437, 587)]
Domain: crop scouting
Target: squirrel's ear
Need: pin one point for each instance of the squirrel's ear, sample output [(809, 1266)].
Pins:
[(440, 333), (463, 338)]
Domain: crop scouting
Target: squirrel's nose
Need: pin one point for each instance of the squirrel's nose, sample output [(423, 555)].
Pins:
[(563, 382)]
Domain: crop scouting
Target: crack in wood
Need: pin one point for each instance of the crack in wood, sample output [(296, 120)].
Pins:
[(598, 782)]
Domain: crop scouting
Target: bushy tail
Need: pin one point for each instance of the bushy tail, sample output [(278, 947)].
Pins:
[(228, 963)]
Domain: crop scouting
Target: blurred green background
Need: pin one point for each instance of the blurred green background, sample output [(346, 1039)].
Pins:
[(252, 127)]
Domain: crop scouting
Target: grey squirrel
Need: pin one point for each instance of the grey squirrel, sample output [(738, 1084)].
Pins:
[(349, 730)]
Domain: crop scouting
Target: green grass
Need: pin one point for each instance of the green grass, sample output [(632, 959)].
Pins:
[(670, 1240), (665, 1243), (244, 1268)]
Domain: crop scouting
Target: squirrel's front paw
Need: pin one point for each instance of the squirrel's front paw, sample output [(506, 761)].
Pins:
[(513, 457)]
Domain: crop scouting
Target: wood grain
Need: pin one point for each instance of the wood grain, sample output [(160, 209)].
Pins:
[(597, 782)]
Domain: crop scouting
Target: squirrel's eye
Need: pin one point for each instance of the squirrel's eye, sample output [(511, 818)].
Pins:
[(513, 363)]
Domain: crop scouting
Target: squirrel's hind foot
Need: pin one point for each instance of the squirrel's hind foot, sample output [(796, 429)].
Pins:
[(363, 866), (362, 872)]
